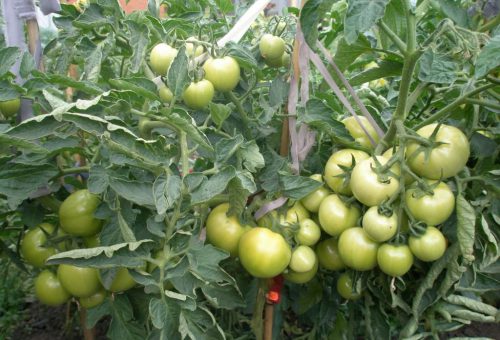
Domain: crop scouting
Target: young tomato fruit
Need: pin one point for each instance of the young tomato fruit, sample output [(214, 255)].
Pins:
[(303, 277), (428, 247), (394, 260), (444, 160), (93, 300), (33, 247), (264, 253), (328, 254), (122, 281), (433, 208), (190, 48), (357, 132), (303, 259), (223, 73), (224, 231), (49, 290), (335, 216), (335, 177), (76, 214), (10, 108), (161, 57), (312, 201), (379, 227), (357, 250), (79, 281), (368, 187), (165, 94), (271, 47), (346, 289), (309, 232), (295, 214), (198, 95)]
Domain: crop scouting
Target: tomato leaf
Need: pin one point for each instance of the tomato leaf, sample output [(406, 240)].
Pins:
[(466, 220), (386, 68), (393, 18), (250, 154), (347, 53), (138, 192), (297, 187), (223, 296), (123, 325), (491, 252), (242, 55), (310, 15), (177, 76), (213, 186), (318, 115), (437, 68), (139, 40), (361, 16), (278, 91), (219, 113), (489, 57), (239, 188), (8, 57), (184, 122), (166, 191), (140, 86)]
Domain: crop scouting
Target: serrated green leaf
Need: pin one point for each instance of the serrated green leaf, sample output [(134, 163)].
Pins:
[(320, 116), (166, 191), (141, 86), (242, 55), (178, 75), (214, 186), (386, 68), (158, 310), (297, 187), (223, 296), (93, 17), (466, 220), (219, 113), (227, 147), (361, 16), (310, 15), (437, 68), (138, 192), (98, 179), (123, 325), (278, 92), (27, 65), (489, 57), (8, 57), (21, 144), (250, 154), (184, 122), (139, 40), (347, 53)]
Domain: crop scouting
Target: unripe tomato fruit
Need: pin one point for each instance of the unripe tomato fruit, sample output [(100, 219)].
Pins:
[(79, 281), (333, 170), (432, 209), (304, 277), (446, 159), (345, 287), (264, 253), (223, 73), (161, 57), (224, 231), (49, 290), (76, 214), (357, 132), (335, 216), (394, 260), (328, 254), (122, 281), (198, 95), (190, 48), (312, 201), (165, 94), (357, 249), (379, 227), (365, 183), (309, 232), (93, 300), (33, 247), (296, 213), (303, 259), (10, 108), (428, 247), (271, 46)]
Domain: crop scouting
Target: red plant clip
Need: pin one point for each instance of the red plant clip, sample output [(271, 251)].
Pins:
[(273, 296)]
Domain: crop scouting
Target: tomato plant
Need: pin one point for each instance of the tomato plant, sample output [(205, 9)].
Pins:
[(10, 108), (309, 232), (380, 227), (76, 214), (394, 260), (34, 248), (79, 281), (335, 216), (224, 231), (337, 175), (223, 73), (49, 290), (430, 246), (303, 259), (328, 254), (161, 57), (347, 289), (433, 207), (357, 132), (198, 94)]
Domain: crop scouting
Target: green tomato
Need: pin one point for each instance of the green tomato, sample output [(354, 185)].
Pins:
[(394, 260), (33, 248), (79, 281), (366, 185), (198, 95), (93, 300), (264, 253), (76, 214), (271, 47), (309, 232), (91, 241), (224, 231), (303, 259), (303, 277), (345, 287), (191, 50), (328, 254), (432, 209), (428, 247), (379, 227), (334, 171), (165, 94), (10, 108), (357, 249), (161, 57), (357, 132), (443, 161), (122, 281), (49, 290), (335, 216), (295, 214), (312, 201), (223, 73)]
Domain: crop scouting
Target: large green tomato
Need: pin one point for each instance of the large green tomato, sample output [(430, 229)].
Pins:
[(335, 216), (312, 201), (161, 57), (223, 73), (122, 281), (443, 161), (303, 259), (33, 247), (366, 185), (309, 232), (303, 277), (357, 132), (198, 95), (379, 227), (284, 60), (432, 209), (271, 47), (76, 214), (79, 281), (93, 300), (394, 260), (264, 253), (334, 171), (345, 287), (328, 254), (224, 231), (10, 108), (428, 247), (165, 94), (49, 290), (357, 249)]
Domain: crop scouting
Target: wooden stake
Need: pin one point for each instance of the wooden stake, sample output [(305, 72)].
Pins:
[(88, 333), (268, 321)]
